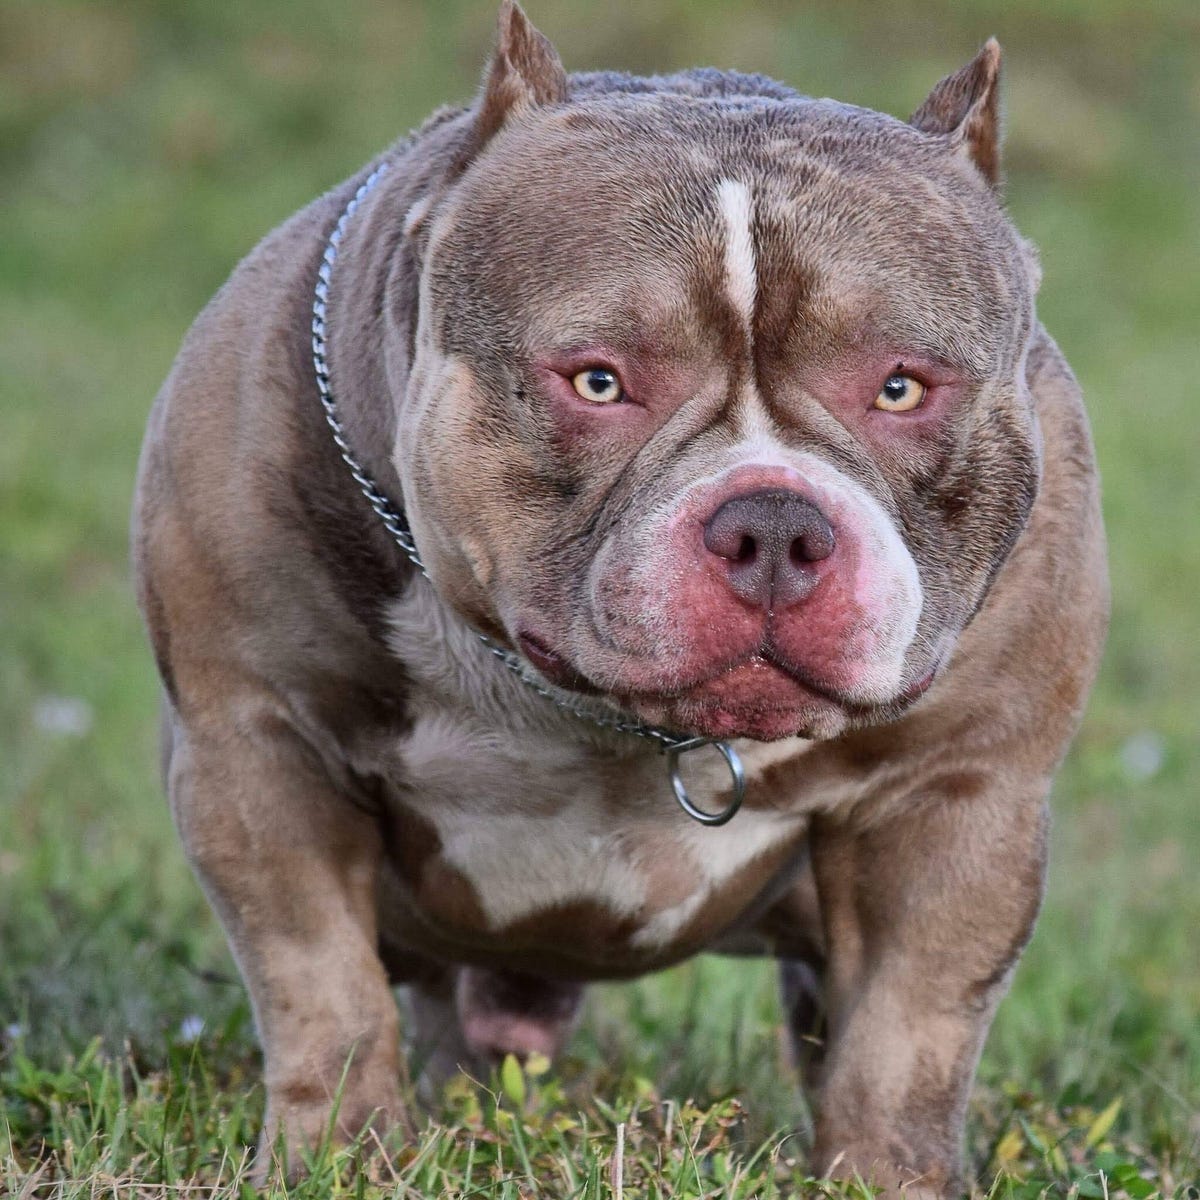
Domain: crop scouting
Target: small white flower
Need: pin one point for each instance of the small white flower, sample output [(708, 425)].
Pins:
[(190, 1029), (63, 716), (1142, 755)]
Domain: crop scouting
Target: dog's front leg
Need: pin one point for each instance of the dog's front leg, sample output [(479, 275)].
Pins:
[(290, 868), (926, 910)]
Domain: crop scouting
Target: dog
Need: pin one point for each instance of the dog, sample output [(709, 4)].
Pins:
[(610, 453)]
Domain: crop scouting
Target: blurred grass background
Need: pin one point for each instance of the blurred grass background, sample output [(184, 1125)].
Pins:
[(146, 145)]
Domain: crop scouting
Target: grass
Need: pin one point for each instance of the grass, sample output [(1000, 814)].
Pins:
[(115, 1128), (143, 148)]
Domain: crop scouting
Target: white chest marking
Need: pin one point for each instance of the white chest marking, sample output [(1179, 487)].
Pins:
[(521, 808), (528, 843), (741, 270)]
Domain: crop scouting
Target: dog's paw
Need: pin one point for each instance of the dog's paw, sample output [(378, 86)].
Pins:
[(301, 1125), (897, 1180)]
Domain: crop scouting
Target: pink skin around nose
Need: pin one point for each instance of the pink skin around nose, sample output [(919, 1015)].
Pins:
[(696, 650)]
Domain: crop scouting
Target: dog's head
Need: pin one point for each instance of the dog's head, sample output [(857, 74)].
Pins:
[(718, 407)]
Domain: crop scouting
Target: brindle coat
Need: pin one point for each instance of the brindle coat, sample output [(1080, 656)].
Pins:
[(368, 796)]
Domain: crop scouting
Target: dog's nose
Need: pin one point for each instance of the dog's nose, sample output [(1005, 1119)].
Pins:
[(769, 542)]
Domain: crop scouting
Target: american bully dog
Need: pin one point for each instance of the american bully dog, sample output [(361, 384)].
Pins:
[(608, 452)]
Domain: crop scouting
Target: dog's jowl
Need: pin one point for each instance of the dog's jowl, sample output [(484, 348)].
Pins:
[(600, 415)]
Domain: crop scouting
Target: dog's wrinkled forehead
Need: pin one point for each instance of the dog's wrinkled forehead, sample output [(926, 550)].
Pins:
[(800, 223)]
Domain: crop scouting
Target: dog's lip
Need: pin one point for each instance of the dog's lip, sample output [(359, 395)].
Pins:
[(560, 672), (553, 666), (916, 690)]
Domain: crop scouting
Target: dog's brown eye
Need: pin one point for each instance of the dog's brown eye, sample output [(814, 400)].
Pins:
[(599, 385), (900, 393)]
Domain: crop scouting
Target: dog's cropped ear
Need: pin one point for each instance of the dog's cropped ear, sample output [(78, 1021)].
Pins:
[(524, 72), (965, 107)]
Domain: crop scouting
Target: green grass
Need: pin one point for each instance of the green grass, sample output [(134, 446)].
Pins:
[(143, 148)]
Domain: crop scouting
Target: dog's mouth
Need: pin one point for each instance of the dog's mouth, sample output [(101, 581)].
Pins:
[(757, 695)]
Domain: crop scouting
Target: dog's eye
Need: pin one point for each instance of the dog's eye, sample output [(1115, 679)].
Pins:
[(900, 393), (599, 385)]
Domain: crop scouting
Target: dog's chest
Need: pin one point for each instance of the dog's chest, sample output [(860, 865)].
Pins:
[(512, 832), (538, 846)]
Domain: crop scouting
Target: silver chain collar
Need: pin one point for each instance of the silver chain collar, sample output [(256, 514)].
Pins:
[(672, 744)]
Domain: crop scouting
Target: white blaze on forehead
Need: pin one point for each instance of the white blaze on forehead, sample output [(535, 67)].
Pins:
[(741, 270)]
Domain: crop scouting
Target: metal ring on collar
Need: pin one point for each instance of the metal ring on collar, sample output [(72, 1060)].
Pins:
[(736, 772)]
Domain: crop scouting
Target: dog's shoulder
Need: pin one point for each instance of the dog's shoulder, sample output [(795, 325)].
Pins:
[(1041, 631)]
